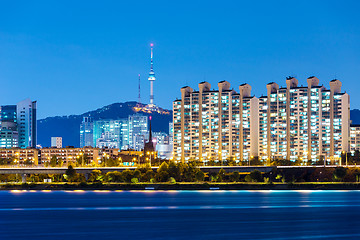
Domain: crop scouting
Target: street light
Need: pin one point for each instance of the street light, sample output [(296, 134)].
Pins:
[(346, 163)]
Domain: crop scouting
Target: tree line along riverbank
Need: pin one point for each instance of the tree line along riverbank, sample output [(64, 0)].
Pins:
[(175, 175)]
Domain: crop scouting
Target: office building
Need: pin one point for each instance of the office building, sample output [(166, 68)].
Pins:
[(138, 131), (163, 147), (26, 122), (127, 133), (56, 142), (293, 122), (110, 133), (86, 132), (18, 125), (9, 135)]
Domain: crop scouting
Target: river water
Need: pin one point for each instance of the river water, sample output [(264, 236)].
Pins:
[(179, 215)]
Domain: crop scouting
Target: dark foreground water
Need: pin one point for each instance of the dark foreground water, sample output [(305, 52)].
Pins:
[(179, 215)]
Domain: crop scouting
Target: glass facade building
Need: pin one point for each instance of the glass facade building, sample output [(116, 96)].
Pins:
[(86, 132), (18, 125), (127, 133)]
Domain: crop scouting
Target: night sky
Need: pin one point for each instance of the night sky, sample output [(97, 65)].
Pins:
[(76, 56)]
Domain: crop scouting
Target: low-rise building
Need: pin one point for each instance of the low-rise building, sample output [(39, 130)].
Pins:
[(28, 156), (70, 154)]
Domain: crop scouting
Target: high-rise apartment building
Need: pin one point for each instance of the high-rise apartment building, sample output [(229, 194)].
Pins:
[(86, 132), (354, 138), (293, 122), (215, 124), (18, 125)]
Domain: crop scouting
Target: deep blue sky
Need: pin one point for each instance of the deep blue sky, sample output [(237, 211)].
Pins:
[(75, 56)]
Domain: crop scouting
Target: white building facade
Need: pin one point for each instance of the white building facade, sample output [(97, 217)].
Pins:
[(56, 142)]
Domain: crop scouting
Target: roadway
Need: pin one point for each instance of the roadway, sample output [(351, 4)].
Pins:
[(87, 170)]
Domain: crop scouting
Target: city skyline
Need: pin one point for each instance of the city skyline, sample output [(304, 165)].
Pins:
[(91, 60)]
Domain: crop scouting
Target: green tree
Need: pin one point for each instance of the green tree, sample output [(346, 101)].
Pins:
[(339, 174), (28, 162), (162, 173), (254, 176), (200, 176), (3, 161), (134, 180), (114, 176), (144, 168), (221, 175), (189, 171), (175, 170), (60, 163), (149, 174), (255, 161), (137, 174), (82, 160), (163, 167), (53, 161), (235, 176), (96, 176), (70, 174), (127, 175), (111, 162), (172, 180)]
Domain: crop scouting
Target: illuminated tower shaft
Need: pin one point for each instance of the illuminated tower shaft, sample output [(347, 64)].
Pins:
[(152, 92), (151, 79)]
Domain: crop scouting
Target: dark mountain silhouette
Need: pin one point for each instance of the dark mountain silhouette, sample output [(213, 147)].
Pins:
[(68, 127), (355, 116)]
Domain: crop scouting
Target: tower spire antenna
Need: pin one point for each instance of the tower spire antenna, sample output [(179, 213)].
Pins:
[(151, 45), (139, 97), (151, 78)]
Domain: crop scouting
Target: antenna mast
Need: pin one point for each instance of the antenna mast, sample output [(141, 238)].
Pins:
[(139, 98)]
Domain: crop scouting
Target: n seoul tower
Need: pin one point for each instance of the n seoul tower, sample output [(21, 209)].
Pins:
[(151, 79)]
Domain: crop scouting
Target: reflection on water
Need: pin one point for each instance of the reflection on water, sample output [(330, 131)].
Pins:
[(180, 214)]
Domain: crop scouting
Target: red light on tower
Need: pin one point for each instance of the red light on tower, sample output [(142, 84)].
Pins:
[(151, 44), (150, 118)]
